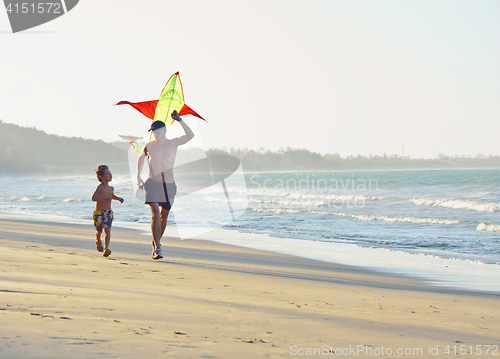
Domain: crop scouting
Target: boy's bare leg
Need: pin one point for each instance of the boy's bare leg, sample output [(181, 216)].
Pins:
[(107, 237), (155, 224), (98, 241)]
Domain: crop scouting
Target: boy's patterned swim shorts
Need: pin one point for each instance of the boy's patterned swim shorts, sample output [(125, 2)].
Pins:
[(102, 219)]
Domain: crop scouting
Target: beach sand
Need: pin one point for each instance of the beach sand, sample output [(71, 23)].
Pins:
[(59, 298)]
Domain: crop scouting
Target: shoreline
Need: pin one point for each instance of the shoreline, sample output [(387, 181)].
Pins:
[(212, 299), (125, 172), (461, 274)]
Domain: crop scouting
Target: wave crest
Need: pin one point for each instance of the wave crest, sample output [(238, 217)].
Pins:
[(72, 200), (457, 203), (488, 227), (365, 217)]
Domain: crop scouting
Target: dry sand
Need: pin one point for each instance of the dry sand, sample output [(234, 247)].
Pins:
[(59, 298)]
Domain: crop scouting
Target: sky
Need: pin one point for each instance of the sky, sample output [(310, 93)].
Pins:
[(332, 76)]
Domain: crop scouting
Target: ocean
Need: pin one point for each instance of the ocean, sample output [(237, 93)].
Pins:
[(442, 226)]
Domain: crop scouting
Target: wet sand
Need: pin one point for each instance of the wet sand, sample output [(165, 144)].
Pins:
[(59, 298)]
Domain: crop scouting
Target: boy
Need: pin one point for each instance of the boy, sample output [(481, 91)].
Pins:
[(103, 215)]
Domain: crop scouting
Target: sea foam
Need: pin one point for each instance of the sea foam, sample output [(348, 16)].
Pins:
[(364, 217), (269, 201), (72, 200), (488, 227), (457, 203), (291, 194)]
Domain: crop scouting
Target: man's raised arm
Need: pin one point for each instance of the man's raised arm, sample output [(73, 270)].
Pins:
[(188, 133)]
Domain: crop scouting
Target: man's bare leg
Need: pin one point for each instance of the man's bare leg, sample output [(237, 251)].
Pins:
[(155, 224), (164, 216)]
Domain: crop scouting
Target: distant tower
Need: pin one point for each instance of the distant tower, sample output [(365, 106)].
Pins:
[(403, 149)]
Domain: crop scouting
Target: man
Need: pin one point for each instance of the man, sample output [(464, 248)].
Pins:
[(160, 186)]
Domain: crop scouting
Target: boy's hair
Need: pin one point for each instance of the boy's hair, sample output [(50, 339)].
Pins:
[(100, 171)]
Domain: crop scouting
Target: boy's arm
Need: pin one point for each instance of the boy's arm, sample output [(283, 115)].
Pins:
[(115, 197), (140, 165), (188, 133), (95, 197)]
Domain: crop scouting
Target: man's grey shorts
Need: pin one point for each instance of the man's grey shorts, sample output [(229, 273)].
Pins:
[(160, 192)]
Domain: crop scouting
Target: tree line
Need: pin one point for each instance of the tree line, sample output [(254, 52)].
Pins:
[(28, 150), (292, 159)]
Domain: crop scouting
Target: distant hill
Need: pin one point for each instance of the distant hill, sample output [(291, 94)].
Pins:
[(28, 150), (297, 159)]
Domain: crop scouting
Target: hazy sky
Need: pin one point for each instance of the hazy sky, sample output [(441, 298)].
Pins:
[(352, 77)]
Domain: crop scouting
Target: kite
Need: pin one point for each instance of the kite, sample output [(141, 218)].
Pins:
[(171, 98), (129, 137), (212, 169), (137, 147)]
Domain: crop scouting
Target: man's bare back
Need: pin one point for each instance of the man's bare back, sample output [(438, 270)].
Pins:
[(161, 153), (160, 186), (161, 159)]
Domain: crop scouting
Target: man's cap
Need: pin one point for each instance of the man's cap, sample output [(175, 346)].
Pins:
[(156, 125)]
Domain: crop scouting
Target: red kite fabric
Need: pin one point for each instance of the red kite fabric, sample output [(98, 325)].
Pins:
[(148, 108), (171, 93)]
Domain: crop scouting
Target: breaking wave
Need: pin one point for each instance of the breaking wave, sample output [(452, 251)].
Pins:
[(456, 203), (277, 210), (269, 201), (263, 192), (72, 200), (488, 227), (364, 217)]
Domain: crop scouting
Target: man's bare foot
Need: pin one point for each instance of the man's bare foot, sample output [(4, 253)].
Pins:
[(107, 252)]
